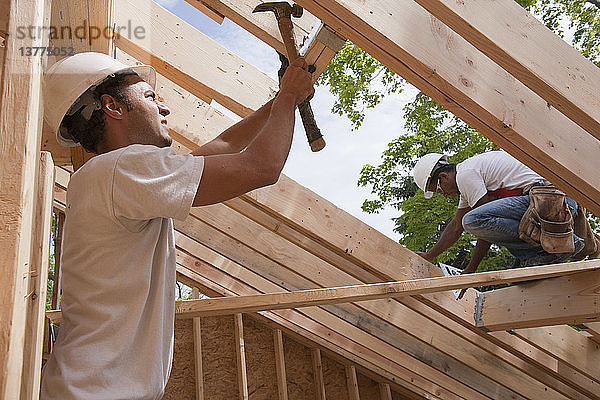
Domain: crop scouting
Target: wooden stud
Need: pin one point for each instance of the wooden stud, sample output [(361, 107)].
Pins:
[(38, 278), (385, 393), (528, 50), (374, 291), (352, 383), (565, 300), (280, 365), (240, 357), (318, 374), (20, 134), (197, 327), (56, 286)]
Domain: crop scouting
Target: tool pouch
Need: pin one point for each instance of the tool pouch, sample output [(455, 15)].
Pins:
[(548, 221)]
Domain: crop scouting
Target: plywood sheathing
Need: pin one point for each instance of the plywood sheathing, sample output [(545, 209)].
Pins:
[(182, 381)]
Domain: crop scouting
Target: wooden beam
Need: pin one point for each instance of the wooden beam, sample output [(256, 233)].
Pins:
[(352, 383), (240, 357), (325, 296), (577, 352), (98, 16), (592, 329), (264, 27), (38, 281), (318, 374), (528, 50), (280, 365), (566, 300), (197, 328), (56, 285), (385, 392), (181, 52), (20, 134), (448, 69)]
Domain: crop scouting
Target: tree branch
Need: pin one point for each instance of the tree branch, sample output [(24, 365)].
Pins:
[(594, 2)]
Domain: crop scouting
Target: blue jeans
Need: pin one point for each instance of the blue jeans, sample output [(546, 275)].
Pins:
[(498, 222)]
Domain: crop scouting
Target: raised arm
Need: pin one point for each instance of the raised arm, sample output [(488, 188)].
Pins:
[(229, 175), (237, 137)]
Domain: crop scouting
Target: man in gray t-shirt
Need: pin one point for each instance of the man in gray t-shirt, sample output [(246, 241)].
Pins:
[(118, 259), (493, 189)]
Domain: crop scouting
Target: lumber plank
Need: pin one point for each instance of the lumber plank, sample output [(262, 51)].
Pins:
[(455, 74), (593, 329), (527, 49), (280, 365), (56, 286), (240, 357), (566, 300), (98, 17), (352, 383), (318, 374), (385, 393), (573, 351), (20, 133), (38, 278), (197, 332), (264, 27), (193, 60), (325, 296)]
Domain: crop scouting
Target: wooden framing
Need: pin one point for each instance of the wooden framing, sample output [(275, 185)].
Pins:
[(522, 45), (197, 331), (240, 357), (280, 365), (352, 382), (318, 374), (20, 133), (566, 300), (374, 291)]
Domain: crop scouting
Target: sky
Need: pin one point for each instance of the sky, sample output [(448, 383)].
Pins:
[(334, 171)]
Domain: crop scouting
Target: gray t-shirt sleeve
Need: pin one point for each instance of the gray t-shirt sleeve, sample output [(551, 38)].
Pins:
[(150, 182)]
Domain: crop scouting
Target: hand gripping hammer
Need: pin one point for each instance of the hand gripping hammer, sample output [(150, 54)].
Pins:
[(283, 12)]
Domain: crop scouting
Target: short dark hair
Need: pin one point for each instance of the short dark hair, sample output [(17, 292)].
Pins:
[(89, 133)]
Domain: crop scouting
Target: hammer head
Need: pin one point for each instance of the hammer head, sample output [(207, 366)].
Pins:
[(282, 9)]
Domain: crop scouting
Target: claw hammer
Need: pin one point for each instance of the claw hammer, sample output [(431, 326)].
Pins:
[(284, 12)]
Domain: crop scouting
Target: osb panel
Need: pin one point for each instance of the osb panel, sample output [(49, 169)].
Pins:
[(367, 387), (219, 358), (334, 378), (182, 382), (299, 370), (260, 360)]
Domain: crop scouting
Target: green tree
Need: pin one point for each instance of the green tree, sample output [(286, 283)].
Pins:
[(360, 82)]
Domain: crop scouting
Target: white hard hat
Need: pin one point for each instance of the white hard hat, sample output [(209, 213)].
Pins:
[(424, 168), (69, 78)]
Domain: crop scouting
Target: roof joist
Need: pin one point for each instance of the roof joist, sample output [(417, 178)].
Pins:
[(527, 49), (565, 300)]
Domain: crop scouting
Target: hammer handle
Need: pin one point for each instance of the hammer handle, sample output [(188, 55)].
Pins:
[(313, 133)]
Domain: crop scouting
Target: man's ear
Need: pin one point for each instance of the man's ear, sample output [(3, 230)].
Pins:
[(112, 107)]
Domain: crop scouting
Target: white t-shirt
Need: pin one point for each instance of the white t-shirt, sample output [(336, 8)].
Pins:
[(491, 171), (118, 274)]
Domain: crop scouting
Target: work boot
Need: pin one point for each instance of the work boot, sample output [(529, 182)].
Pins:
[(544, 258)]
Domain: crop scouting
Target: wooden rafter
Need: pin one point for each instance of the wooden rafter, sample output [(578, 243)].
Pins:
[(527, 49), (374, 291), (566, 300)]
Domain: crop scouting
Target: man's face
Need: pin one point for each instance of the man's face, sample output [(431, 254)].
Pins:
[(444, 184), (146, 121)]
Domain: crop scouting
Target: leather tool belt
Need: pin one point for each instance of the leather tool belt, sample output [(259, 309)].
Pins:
[(548, 221)]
